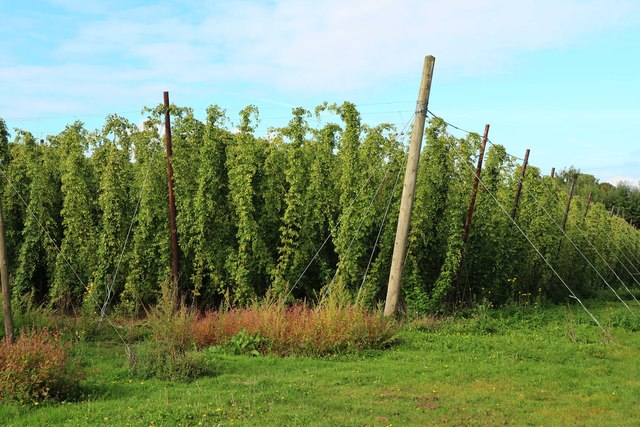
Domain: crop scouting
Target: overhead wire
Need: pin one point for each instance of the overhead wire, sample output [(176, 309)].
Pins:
[(627, 258), (567, 236), (564, 233), (335, 227), (124, 246), (524, 234), (584, 235), (632, 254), (384, 217), (513, 156), (364, 216)]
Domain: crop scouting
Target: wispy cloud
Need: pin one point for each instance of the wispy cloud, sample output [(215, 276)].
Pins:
[(615, 180), (330, 47)]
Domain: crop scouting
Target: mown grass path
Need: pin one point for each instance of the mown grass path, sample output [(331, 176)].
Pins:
[(516, 367)]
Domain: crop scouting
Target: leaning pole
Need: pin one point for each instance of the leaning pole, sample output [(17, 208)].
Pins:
[(408, 190)]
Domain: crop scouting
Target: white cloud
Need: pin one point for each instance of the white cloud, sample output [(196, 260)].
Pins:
[(118, 55), (615, 180)]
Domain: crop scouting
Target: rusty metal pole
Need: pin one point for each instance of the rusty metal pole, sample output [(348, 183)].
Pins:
[(519, 190), (472, 205), (553, 172), (474, 190), (566, 212), (172, 201), (6, 290), (586, 212), (408, 190)]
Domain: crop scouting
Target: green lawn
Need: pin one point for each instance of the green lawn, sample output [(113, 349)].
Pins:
[(518, 367)]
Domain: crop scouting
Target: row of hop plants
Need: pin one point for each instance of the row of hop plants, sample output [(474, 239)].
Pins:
[(500, 264), (253, 211)]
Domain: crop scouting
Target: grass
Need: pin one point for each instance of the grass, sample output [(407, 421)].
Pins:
[(510, 366)]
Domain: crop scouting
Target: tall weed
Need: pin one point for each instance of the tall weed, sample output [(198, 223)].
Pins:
[(170, 351), (298, 330)]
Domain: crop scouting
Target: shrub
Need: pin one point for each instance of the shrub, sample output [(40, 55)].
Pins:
[(171, 328), (151, 359), (38, 366), (169, 353), (298, 330)]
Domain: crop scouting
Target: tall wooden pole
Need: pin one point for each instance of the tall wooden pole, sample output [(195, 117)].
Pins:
[(4, 276), (175, 272), (408, 190), (553, 172), (519, 190)]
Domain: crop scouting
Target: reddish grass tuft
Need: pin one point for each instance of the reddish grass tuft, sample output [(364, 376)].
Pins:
[(297, 330)]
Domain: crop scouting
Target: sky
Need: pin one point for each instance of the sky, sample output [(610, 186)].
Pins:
[(559, 77)]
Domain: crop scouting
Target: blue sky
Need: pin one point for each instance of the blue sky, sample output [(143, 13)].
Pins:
[(557, 76)]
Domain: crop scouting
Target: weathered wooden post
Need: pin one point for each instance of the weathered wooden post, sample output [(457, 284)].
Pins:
[(408, 190)]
